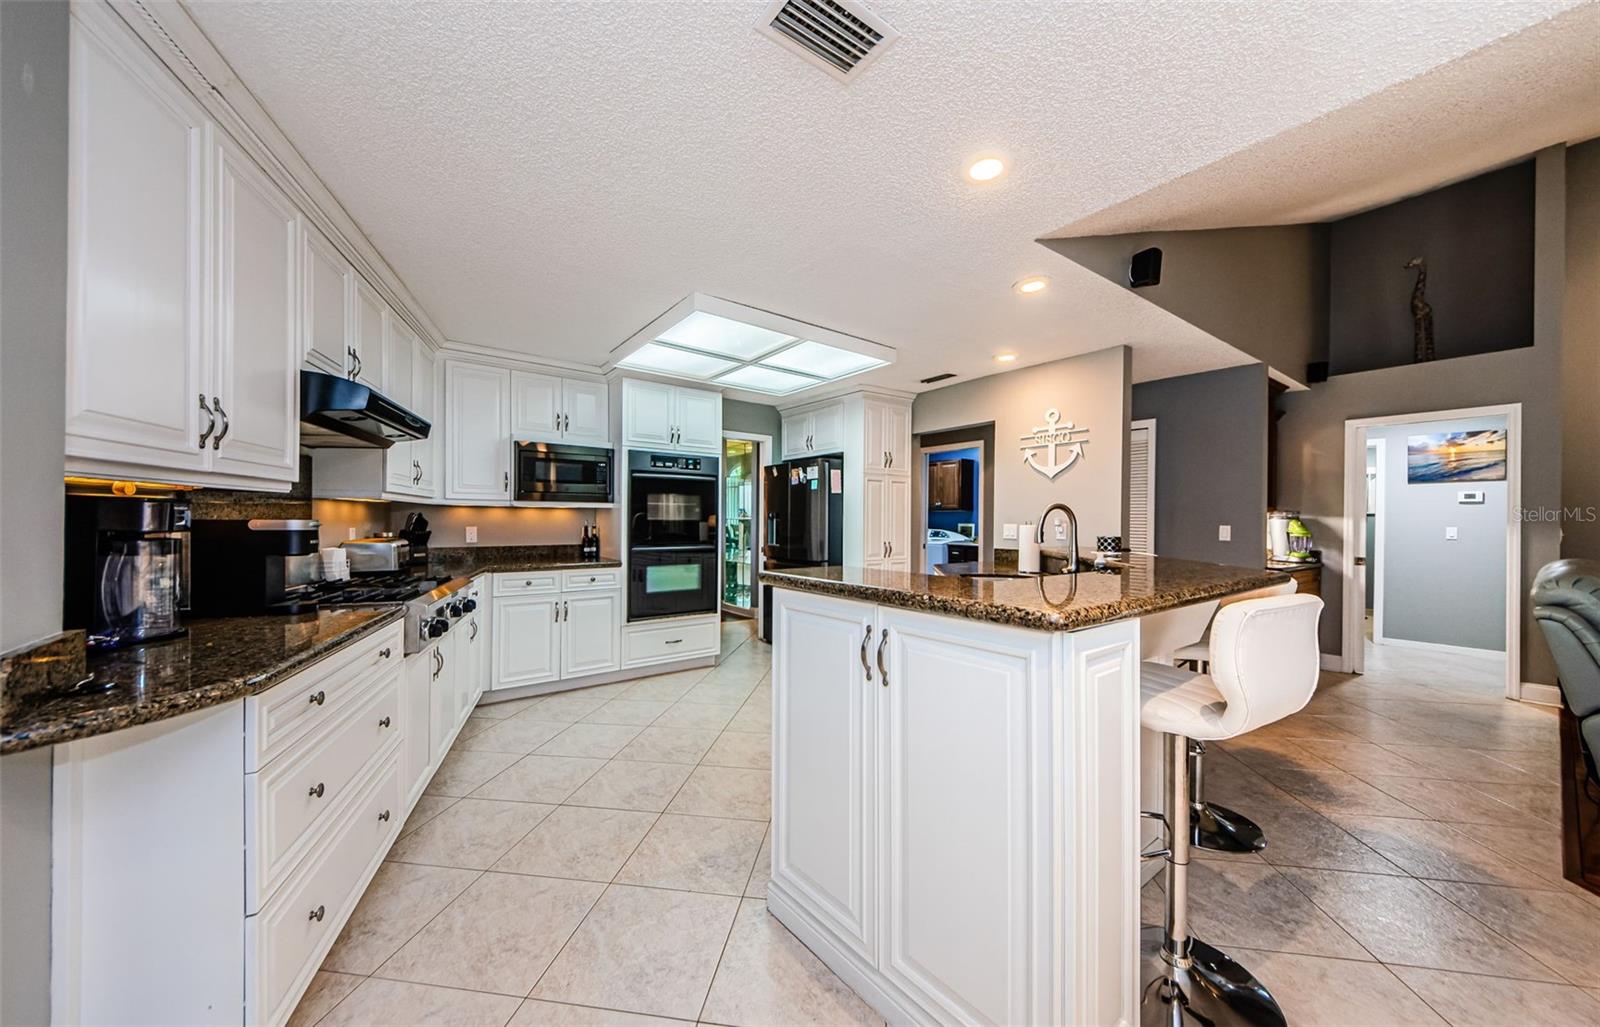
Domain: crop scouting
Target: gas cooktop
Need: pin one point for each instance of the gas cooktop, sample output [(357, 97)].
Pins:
[(371, 589)]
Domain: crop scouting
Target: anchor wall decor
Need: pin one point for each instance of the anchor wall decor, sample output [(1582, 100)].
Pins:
[(1052, 437)]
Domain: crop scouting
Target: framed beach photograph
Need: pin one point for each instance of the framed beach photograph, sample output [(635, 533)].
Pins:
[(1456, 456)]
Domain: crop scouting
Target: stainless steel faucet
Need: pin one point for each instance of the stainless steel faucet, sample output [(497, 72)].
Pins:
[(1072, 533)]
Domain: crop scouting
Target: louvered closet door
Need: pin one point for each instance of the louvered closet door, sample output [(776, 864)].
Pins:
[(1142, 487)]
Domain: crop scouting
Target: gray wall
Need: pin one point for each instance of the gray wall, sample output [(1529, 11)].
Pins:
[(1311, 433), (1477, 237), (1580, 357), (754, 419), (982, 437), (1211, 462), (1092, 391), (1446, 592), (33, 223), (1260, 290)]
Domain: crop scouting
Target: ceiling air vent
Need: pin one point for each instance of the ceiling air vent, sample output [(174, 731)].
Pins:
[(946, 376), (837, 36)]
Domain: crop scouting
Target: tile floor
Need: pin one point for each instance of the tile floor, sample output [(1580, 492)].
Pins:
[(598, 857)]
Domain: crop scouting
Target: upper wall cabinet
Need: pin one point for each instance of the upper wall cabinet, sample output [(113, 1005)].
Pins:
[(814, 432), (477, 433), (161, 383), (888, 437), (328, 291), (545, 408), (370, 328), (657, 416)]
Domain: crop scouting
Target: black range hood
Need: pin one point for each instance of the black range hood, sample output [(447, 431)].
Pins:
[(337, 413)]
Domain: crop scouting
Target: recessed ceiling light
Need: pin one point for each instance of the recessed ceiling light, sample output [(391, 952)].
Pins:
[(1005, 358), (986, 168), (1031, 286)]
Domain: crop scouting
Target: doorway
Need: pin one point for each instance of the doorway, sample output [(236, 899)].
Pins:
[(743, 456), (952, 499), (1433, 560)]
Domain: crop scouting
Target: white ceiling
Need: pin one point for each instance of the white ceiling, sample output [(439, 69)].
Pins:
[(549, 177)]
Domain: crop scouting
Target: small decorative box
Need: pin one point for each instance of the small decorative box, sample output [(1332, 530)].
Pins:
[(1108, 543)]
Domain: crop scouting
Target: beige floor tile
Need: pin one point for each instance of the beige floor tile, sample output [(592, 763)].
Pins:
[(462, 770), (540, 779), (535, 1013), (399, 902), (1453, 763), (741, 749), (768, 977), (382, 1003), (700, 716), (1301, 837), (427, 807), (596, 741), (1401, 921), (1538, 766), (723, 691), (726, 792), (1252, 904), (1559, 929), (472, 834), (520, 734), (637, 712), (1331, 789), (498, 936), (476, 724), (507, 708), (579, 842), (326, 991), (657, 744), (666, 687), (644, 950), (622, 784), (756, 718), (569, 706), (1468, 1000), (1538, 800), (1359, 758), (705, 854), (1448, 801), (1533, 845), (761, 872), (1315, 991), (1427, 848)]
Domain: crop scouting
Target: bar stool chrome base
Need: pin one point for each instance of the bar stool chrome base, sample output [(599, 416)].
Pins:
[(1206, 989), (1220, 829)]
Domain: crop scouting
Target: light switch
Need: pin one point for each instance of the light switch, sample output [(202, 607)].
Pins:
[(1008, 531), (1450, 534), (352, 533), (472, 533), (1224, 533), (1061, 531)]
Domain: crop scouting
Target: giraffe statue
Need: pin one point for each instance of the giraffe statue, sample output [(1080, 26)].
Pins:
[(1421, 313)]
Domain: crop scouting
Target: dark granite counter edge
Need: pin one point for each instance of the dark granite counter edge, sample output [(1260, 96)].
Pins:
[(114, 716), (1015, 616), (515, 567)]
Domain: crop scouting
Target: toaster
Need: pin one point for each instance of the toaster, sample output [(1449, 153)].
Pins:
[(380, 554)]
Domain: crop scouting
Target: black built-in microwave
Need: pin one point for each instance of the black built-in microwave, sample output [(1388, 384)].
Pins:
[(549, 472)]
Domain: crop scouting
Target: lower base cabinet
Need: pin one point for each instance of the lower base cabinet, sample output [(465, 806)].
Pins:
[(550, 626)]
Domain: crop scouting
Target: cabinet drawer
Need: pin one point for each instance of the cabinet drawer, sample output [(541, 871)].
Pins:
[(669, 640), (285, 943), (592, 581), (289, 801), (527, 584), (289, 711)]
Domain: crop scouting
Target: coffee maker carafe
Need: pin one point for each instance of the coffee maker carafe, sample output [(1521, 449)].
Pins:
[(127, 569)]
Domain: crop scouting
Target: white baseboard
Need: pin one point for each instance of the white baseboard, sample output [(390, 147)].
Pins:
[(1543, 695), (1333, 662), (1440, 647), (496, 695)]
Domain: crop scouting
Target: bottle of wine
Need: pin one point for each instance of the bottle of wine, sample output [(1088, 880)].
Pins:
[(583, 547), (594, 544)]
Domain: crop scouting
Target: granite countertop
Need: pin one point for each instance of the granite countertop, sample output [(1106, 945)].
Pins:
[(219, 660), (1131, 587), (465, 561)]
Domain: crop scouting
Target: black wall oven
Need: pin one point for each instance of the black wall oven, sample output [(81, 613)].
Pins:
[(672, 535), (552, 473)]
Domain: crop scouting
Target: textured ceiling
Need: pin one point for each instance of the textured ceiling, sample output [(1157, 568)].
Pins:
[(549, 177)]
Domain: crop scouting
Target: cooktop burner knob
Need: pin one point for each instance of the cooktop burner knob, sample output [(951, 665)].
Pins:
[(468, 605), (455, 609), (437, 626)]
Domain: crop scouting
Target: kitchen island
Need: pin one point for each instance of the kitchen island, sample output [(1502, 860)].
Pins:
[(956, 780)]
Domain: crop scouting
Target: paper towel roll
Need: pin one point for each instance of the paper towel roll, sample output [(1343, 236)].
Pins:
[(1027, 549)]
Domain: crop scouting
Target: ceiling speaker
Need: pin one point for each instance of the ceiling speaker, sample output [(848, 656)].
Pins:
[(1145, 268)]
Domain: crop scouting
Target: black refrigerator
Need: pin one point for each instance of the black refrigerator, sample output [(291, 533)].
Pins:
[(804, 505)]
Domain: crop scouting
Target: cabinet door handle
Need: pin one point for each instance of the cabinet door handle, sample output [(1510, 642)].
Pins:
[(357, 358), (384, 816), (318, 697), (866, 640), (565, 611), (555, 613), (384, 722), (316, 790), (211, 421), (883, 672), (890, 544), (385, 653), (216, 442), (316, 914), (507, 486)]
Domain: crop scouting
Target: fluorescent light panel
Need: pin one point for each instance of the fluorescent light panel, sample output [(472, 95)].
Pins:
[(710, 333), (821, 360), (757, 378), (671, 360)]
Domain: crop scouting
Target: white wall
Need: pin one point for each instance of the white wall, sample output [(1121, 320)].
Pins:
[(1092, 391)]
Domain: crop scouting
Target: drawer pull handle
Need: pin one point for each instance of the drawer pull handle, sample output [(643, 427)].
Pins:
[(317, 914), (384, 722), (385, 653), (527, 584), (316, 790), (384, 815), (318, 698), (673, 641)]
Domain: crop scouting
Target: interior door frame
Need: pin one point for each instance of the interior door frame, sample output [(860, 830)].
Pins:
[(1352, 657), (758, 520), (923, 452)]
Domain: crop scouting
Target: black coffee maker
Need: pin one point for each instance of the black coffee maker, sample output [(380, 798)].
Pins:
[(127, 569), (256, 566)]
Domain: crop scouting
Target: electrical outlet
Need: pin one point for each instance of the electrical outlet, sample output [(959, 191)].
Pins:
[(1224, 533), (1008, 531), (1450, 534), (1061, 530), (352, 533), (472, 534)]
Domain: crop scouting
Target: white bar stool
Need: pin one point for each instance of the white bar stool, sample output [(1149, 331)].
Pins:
[(1264, 664), (1211, 826)]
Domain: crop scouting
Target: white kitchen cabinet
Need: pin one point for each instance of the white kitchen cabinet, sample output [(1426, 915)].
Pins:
[(815, 432), (371, 330), (887, 521), (327, 286), (591, 637), (427, 452), (477, 432), (670, 417), (416, 754), (444, 703), (796, 436), (479, 659), (888, 437), (546, 408), (400, 366), (527, 640)]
